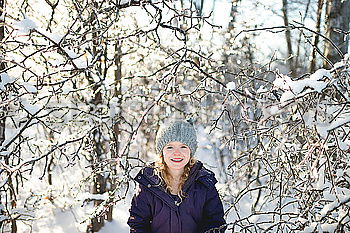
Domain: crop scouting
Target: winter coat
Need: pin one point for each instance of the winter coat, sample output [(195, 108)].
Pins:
[(153, 210)]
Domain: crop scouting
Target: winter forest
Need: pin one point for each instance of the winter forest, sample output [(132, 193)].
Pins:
[(84, 85)]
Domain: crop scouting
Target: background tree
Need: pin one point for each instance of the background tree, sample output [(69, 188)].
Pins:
[(337, 27), (3, 82), (288, 36), (316, 36)]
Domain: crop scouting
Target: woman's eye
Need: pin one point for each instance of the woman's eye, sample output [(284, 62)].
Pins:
[(169, 147), (184, 147)]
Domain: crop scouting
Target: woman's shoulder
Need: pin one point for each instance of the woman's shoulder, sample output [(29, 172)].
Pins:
[(205, 175), (147, 168), (147, 175)]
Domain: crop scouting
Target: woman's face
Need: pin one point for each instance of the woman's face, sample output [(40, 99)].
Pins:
[(176, 155)]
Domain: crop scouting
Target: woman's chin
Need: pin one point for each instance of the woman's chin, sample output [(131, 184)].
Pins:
[(176, 166)]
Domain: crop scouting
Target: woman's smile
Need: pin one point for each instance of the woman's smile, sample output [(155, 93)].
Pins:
[(177, 160)]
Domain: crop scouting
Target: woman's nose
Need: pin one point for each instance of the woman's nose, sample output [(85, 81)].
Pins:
[(176, 151)]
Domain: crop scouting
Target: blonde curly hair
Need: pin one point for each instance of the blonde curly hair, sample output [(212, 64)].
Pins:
[(161, 170)]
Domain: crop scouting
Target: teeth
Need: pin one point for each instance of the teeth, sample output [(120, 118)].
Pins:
[(176, 160)]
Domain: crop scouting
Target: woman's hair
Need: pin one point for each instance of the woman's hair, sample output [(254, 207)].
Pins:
[(161, 170)]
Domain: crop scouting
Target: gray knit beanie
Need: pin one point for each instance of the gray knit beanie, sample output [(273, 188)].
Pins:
[(179, 131)]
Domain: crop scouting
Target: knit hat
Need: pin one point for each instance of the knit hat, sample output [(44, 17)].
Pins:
[(179, 131)]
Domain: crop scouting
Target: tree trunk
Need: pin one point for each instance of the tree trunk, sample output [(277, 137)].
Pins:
[(116, 130), (99, 181), (118, 88), (233, 13), (99, 185), (316, 37), (297, 57), (10, 183), (2, 112), (2, 67), (231, 27), (288, 36), (337, 25)]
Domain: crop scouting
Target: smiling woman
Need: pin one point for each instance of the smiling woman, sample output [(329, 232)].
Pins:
[(176, 194)]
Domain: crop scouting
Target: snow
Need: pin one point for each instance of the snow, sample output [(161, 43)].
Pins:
[(339, 173), (327, 208), (344, 145), (2, 218), (262, 89), (31, 108), (270, 111), (343, 62), (320, 175), (329, 196), (76, 59), (329, 227), (231, 86), (114, 108), (320, 74), (58, 222), (287, 96), (55, 220), (5, 79), (310, 229), (53, 36), (324, 127), (87, 196), (30, 87), (205, 148), (294, 89), (184, 91), (117, 225), (308, 118), (26, 25)]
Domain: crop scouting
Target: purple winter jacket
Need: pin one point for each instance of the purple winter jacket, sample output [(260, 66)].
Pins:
[(153, 210)]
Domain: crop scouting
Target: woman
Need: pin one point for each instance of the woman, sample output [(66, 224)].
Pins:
[(176, 194)]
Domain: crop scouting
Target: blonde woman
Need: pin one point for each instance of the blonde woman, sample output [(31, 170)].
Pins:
[(176, 194)]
